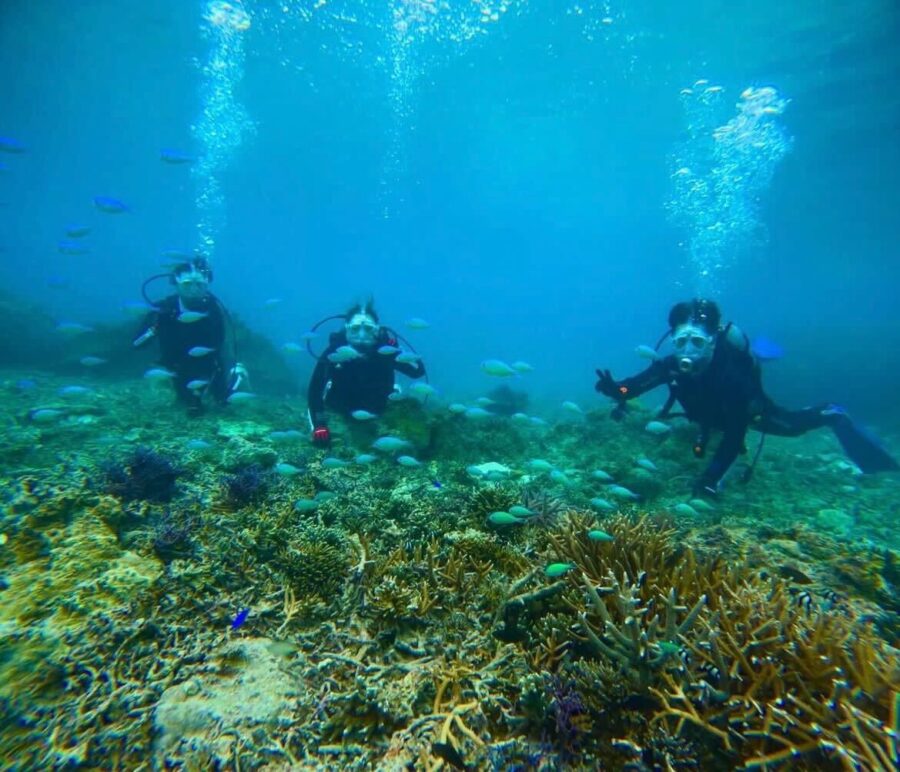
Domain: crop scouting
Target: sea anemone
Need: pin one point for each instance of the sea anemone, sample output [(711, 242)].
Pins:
[(145, 475), (247, 486)]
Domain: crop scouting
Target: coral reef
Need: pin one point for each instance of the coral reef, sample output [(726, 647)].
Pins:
[(176, 609)]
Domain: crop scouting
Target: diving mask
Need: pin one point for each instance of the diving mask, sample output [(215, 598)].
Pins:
[(693, 347), (361, 330), (192, 283)]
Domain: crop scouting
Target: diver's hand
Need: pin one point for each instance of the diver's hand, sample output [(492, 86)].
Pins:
[(607, 385), (321, 437), (239, 377)]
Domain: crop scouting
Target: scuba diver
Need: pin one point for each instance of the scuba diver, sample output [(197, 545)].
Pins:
[(190, 327), (716, 379), (356, 371)]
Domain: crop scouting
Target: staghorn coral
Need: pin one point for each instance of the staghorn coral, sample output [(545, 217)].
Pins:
[(547, 506)]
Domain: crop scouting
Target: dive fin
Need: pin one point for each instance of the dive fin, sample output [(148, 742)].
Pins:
[(862, 448)]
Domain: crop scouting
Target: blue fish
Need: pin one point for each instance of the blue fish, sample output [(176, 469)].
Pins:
[(72, 248), (175, 157), (77, 231), (437, 484), (111, 205), (10, 145), (240, 618), (766, 350)]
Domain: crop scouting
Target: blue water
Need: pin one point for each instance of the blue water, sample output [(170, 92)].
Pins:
[(510, 181)]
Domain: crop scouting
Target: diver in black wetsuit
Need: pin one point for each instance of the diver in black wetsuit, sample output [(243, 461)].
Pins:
[(190, 327), (356, 371), (716, 379)]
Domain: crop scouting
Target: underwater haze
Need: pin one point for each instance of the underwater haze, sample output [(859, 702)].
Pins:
[(495, 566), (511, 181)]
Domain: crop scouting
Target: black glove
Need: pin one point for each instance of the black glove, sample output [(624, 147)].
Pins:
[(606, 385)]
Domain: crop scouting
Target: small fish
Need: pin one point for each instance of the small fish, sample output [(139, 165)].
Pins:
[(484, 401), (388, 351), (396, 396), (560, 477), (572, 407), (343, 354), (537, 421), (647, 352), (323, 496), (519, 511), (198, 384), (189, 317), (74, 391), (603, 476), (520, 418), (540, 465), (415, 323), (292, 348), (422, 389), (136, 308), (595, 534), (363, 415), (714, 90), (805, 601), (91, 361), (158, 374), (73, 328), (408, 358), (26, 384), (701, 505), (239, 397), (658, 428), (497, 368), (365, 458), (437, 484), (77, 231), (504, 519), (72, 248), (197, 445), (334, 463), (287, 470), (306, 505), (408, 461), (389, 444), (477, 412), (685, 510), (645, 463), (621, 492), (273, 302), (456, 408), (46, 415), (522, 367), (766, 350), (289, 435), (177, 255), (200, 351), (308, 336), (240, 618), (11, 146), (556, 570), (174, 157), (603, 505), (111, 205)]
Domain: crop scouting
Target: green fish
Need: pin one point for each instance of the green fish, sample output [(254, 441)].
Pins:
[(503, 519), (519, 511), (597, 535), (556, 570)]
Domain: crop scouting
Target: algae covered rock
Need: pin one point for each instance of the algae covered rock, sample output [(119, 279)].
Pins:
[(202, 720)]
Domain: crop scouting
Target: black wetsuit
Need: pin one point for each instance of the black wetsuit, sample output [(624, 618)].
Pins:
[(364, 383), (177, 338), (728, 396)]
